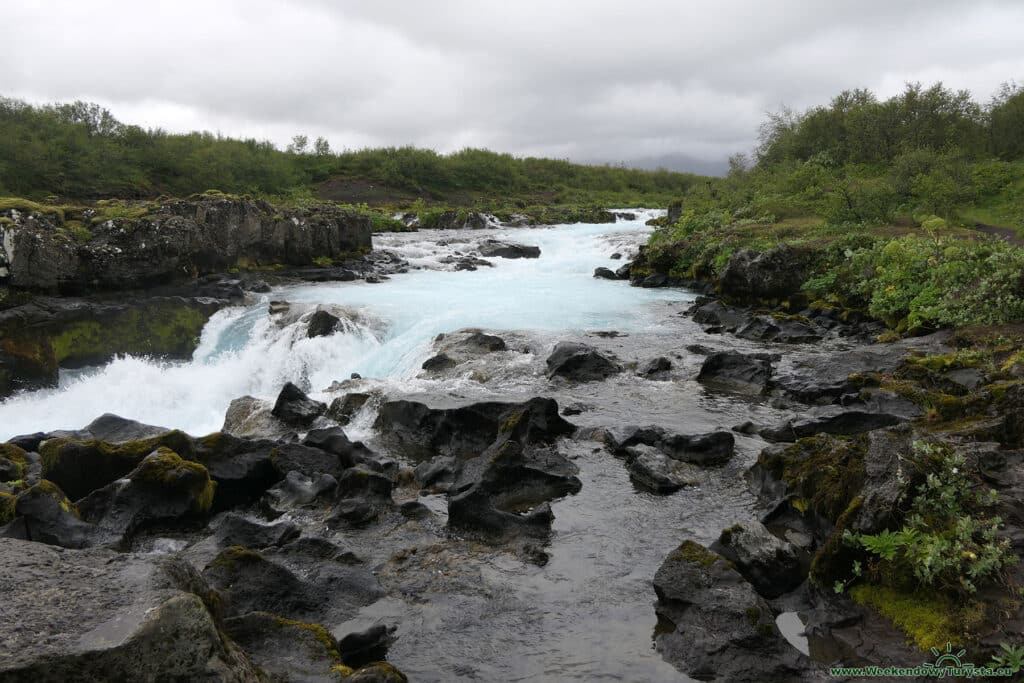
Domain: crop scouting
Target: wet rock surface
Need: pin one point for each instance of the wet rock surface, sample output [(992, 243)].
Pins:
[(580, 363)]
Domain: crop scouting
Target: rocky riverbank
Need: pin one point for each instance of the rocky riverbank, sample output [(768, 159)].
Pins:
[(539, 488)]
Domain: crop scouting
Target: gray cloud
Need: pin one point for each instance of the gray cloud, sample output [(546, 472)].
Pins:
[(680, 83)]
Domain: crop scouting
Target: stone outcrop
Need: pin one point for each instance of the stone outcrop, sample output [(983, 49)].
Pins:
[(172, 241)]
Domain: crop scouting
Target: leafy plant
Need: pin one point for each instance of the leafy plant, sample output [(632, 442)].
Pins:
[(1011, 657)]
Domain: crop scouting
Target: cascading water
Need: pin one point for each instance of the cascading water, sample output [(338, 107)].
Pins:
[(244, 350)]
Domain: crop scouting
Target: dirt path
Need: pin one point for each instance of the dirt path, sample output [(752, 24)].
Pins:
[(1008, 234)]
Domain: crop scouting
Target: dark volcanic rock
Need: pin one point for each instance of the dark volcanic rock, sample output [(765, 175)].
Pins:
[(580, 363), (715, 316), (438, 363), (655, 280), (775, 274), (780, 330), (622, 272), (512, 250), (769, 564), (295, 408), (334, 441), (242, 469), (175, 240), (363, 494), (364, 647), (720, 628), (344, 408), (163, 488), (249, 582), (321, 324), (45, 515), (298, 490), (108, 616), (829, 420), (235, 529), (605, 273), (713, 448), (653, 470), (747, 374), (656, 368), (505, 491), (466, 431), (42, 336)]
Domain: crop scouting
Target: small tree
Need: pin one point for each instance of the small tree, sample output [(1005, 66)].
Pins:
[(321, 147), (299, 144)]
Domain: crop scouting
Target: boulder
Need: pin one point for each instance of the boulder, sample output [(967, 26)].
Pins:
[(233, 528), (322, 324), (781, 330), (654, 280), (163, 488), (466, 431), (828, 420), (439, 363), (298, 490), (437, 474), (771, 565), (504, 492), (364, 647), (362, 495), (656, 368), (741, 373), (718, 627), (293, 407), (712, 448), (334, 441), (714, 316), (580, 363), (79, 466), (118, 430), (605, 273), (242, 469), (623, 272), (108, 616), (286, 649), (775, 274), (251, 582), (248, 417), (44, 514), (510, 250), (344, 408), (651, 469)]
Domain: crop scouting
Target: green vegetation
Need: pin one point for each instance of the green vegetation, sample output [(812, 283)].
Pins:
[(887, 196), (80, 151), (949, 540), (928, 620)]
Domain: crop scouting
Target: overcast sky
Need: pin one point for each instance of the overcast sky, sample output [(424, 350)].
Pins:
[(683, 83)]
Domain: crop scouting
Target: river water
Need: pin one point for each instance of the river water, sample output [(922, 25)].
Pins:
[(242, 352), (587, 614)]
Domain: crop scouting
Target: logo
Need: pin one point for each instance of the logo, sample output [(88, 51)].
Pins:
[(948, 660), (947, 664)]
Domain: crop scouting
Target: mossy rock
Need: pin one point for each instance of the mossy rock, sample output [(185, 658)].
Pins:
[(928, 618), (834, 559), (695, 553), (13, 462), (165, 469), (7, 503), (823, 472), (80, 467)]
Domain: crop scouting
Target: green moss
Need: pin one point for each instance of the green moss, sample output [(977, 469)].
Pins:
[(822, 472), (78, 231), (161, 328), (7, 502), (165, 468), (834, 558), (322, 635), (323, 261), (15, 455), (695, 553), (26, 206), (51, 490), (229, 557), (511, 422), (928, 619)]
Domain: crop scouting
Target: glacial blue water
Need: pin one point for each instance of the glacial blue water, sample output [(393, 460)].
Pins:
[(244, 351)]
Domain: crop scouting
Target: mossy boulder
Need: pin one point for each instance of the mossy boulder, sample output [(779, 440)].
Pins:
[(717, 626), (164, 488), (46, 515), (14, 462), (80, 467)]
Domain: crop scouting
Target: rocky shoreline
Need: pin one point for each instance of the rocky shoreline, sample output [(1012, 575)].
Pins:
[(251, 553)]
